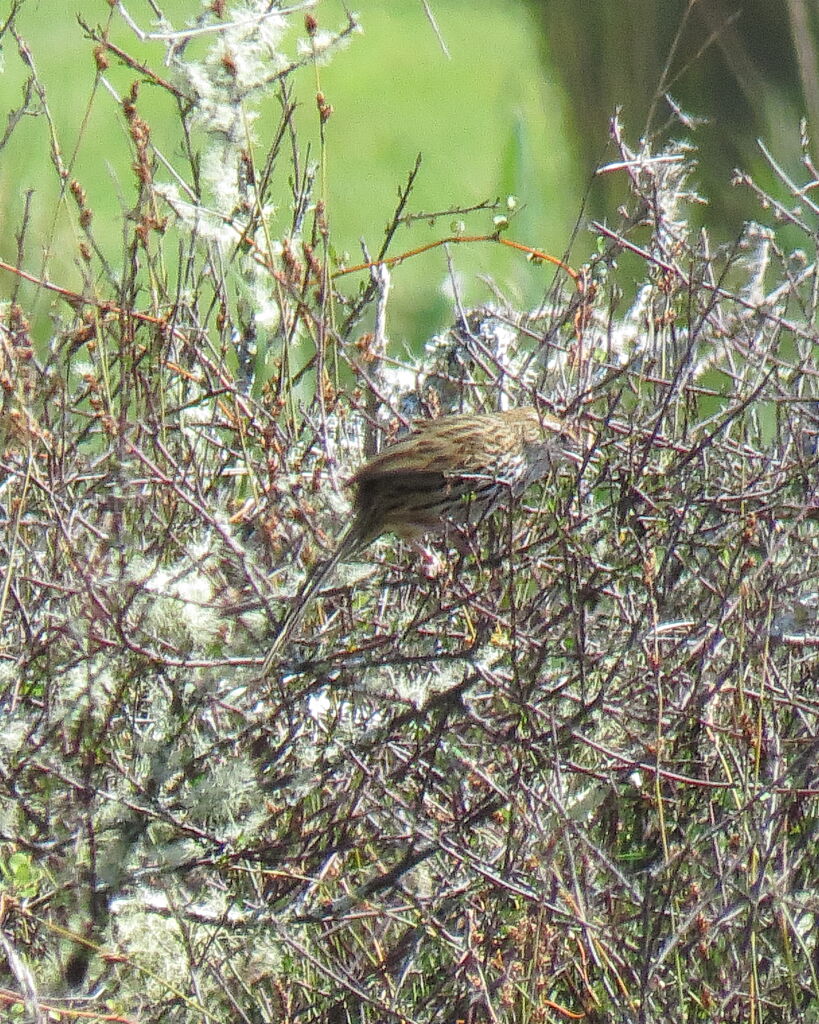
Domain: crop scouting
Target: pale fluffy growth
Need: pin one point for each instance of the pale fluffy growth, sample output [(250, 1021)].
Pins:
[(206, 224), (266, 310), (178, 602), (633, 333), (238, 69), (154, 940), (322, 46)]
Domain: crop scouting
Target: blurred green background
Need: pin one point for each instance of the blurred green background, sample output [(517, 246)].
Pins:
[(518, 107), (486, 120)]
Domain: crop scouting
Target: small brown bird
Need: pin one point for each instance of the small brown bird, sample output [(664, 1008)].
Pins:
[(453, 470)]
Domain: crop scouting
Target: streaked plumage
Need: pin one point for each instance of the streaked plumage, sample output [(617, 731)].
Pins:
[(453, 470)]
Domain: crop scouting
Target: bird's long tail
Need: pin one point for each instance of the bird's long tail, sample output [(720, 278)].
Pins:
[(313, 582)]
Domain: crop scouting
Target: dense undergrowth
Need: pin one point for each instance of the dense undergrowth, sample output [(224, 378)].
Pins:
[(572, 775)]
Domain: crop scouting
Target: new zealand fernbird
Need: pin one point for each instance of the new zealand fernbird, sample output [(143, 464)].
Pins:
[(453, 470)]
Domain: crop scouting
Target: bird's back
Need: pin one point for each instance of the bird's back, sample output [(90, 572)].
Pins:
[(452, 469)]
